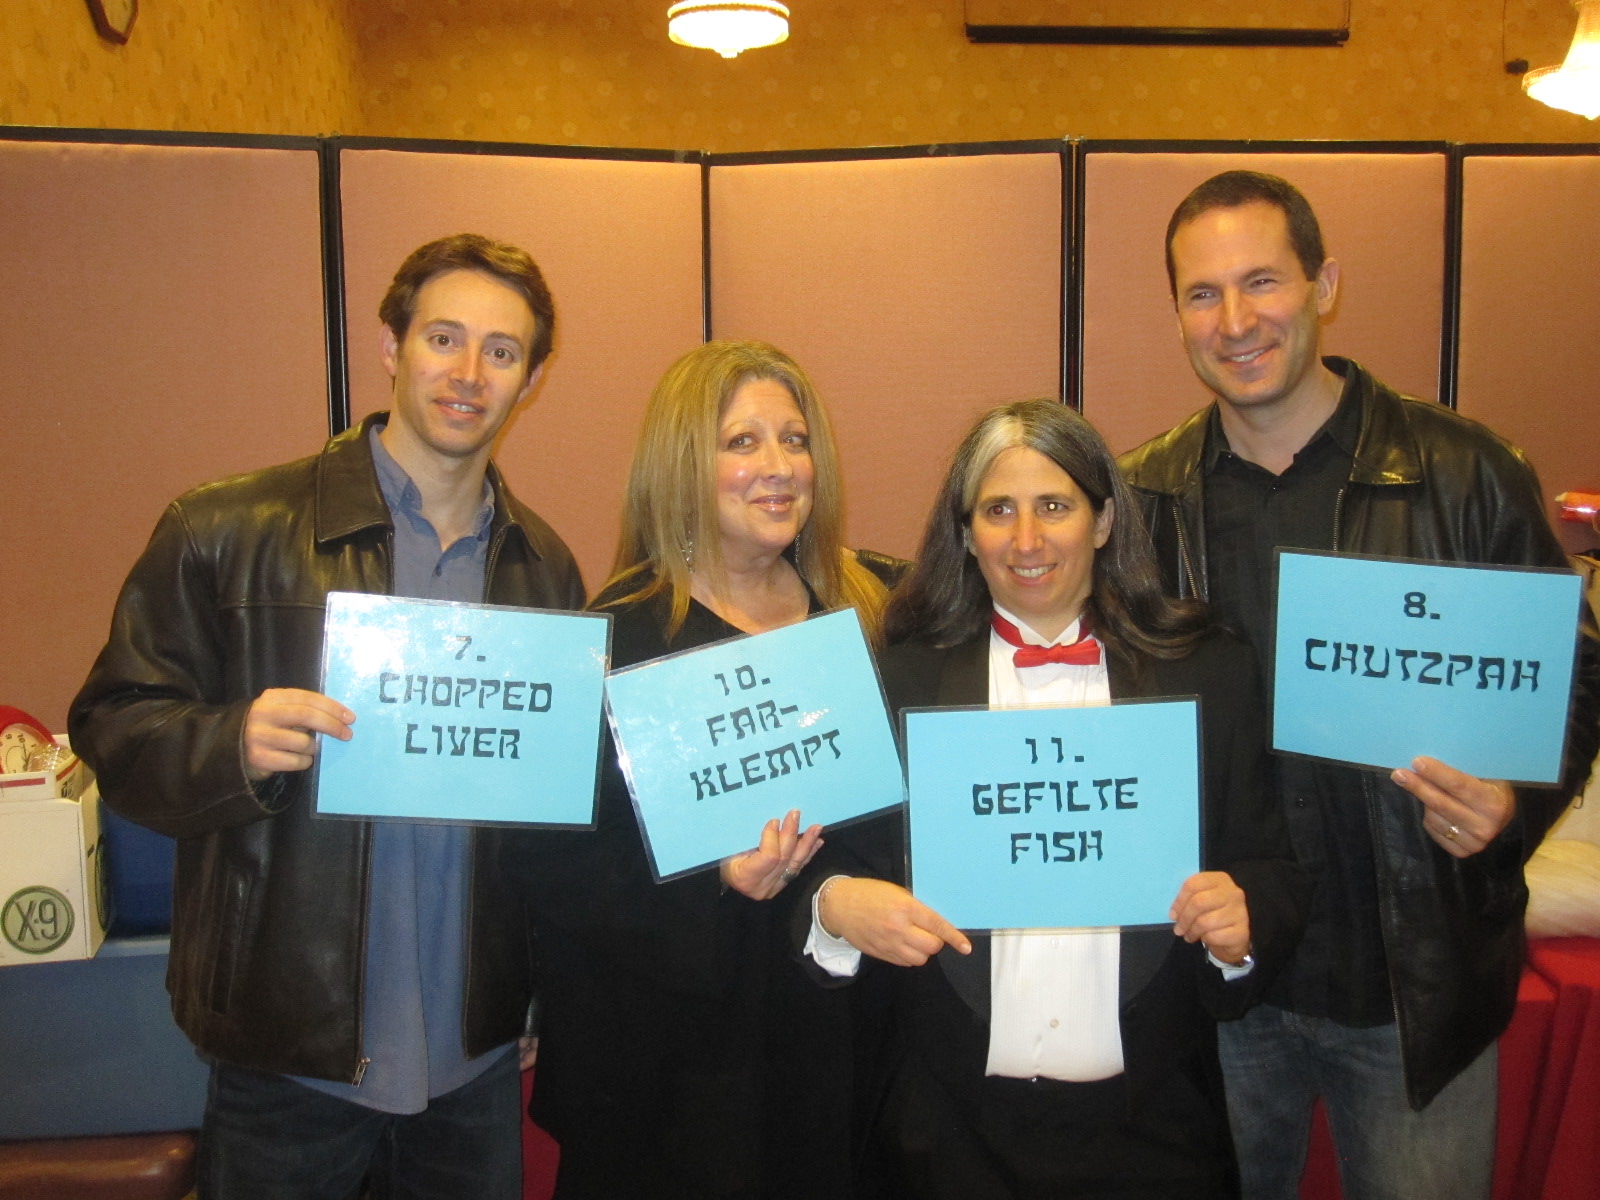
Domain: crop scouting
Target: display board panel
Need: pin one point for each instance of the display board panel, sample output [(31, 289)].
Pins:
[(917, 292), (1383, 220), (1529, 364), (619, 244), (170, 302)]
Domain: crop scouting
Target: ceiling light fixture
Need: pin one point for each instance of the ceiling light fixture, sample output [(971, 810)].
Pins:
[(1574, 86), (728, 28)]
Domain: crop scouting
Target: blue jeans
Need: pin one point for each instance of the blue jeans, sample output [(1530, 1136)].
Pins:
[(266, 1137), (1276, 1063)]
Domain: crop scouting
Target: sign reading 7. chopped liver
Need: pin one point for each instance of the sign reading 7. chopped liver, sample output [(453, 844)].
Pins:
[(464, 712), (1380, 660)]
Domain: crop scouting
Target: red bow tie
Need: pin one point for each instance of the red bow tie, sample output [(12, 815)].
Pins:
[(1085, 652)]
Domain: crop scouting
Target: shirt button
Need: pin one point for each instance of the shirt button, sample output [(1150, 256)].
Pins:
[(1055, 1022), (1300, 802)]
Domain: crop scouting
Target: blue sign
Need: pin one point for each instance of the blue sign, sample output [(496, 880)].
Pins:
[(717, 741), (1380, 660), (1031, 818), (464, 712)]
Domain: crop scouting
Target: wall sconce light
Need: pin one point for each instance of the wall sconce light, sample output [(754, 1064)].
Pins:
[(1574, 86), (728, 28)]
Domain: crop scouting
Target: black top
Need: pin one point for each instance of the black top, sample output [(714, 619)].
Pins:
[(683, 1051), (1340, 970)]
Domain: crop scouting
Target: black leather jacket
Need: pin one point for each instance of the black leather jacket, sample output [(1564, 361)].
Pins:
[(1426, 484), (270, 903)]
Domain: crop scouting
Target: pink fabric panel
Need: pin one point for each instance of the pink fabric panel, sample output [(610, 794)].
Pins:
[(619, 244), (916, 292), (169, 300), (1382, 219), (1530, 354)]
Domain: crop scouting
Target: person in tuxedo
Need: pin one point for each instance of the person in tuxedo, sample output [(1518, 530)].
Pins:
[(681, 1046), (1062, 1062)]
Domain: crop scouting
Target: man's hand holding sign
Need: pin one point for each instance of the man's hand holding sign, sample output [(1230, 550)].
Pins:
[(280, 730), (1461, 673), (1465, 813)]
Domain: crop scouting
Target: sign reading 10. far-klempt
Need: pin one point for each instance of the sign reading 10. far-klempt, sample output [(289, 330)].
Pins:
[(464, 712), (716, 741)]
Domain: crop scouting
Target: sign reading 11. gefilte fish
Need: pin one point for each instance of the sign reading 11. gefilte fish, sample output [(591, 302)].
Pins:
[(1037, 818), (464, 712), (715, 742)]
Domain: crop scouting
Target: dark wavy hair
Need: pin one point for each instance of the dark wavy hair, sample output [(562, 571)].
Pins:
[(1233, 189), (945, 600)]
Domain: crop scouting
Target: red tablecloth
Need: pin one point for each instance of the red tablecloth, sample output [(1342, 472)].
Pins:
[(1561, 1158), (1523, 1048), (540, 1154)]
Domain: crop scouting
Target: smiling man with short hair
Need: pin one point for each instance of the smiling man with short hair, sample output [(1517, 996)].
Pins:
[(1408, 969), (357, 985)]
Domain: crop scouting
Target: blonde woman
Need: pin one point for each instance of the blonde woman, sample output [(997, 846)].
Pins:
[(683, 1053)]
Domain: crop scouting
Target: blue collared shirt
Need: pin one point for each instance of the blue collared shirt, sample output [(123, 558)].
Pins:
[(417, 895)]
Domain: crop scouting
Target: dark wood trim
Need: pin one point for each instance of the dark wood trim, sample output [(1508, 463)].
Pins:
[(1142, 35)]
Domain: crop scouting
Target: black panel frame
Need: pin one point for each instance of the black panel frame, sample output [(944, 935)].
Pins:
[(1066, 148), (335, 324), (862, 153), (333, 235), (1456, 199), (158, 137), (1449, 328), (332, 318), (1074, 153), (1153, 35), (1072, 184)]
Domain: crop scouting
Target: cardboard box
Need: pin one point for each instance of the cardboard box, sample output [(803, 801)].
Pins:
[(54, 895)]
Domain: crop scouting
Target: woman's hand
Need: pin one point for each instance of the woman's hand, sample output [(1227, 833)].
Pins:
[(1210, 909), (886, 921), (781, 855)]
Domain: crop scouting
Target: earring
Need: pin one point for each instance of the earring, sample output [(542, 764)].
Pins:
[(688, 552)]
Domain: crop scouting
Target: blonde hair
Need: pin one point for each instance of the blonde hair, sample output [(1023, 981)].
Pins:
[(669, 521)]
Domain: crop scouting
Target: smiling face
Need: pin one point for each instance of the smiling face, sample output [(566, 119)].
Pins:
[(764, 471), (1034, 533), (460, 370), (1250, 319)]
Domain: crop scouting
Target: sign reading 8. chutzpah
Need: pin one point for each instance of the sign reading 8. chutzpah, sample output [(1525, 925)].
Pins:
[(37, 920)]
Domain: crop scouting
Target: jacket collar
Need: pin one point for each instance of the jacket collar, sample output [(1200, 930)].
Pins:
[(1386, 452), (349, 499)]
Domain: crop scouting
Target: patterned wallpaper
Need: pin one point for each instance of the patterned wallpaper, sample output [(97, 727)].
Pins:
[(601, 72), (214, 66)]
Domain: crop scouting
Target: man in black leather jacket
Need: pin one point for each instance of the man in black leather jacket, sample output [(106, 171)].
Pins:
[(358, 986), (1409, 968)]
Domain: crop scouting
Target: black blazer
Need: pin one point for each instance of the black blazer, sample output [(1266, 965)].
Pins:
[(1170, 993)]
